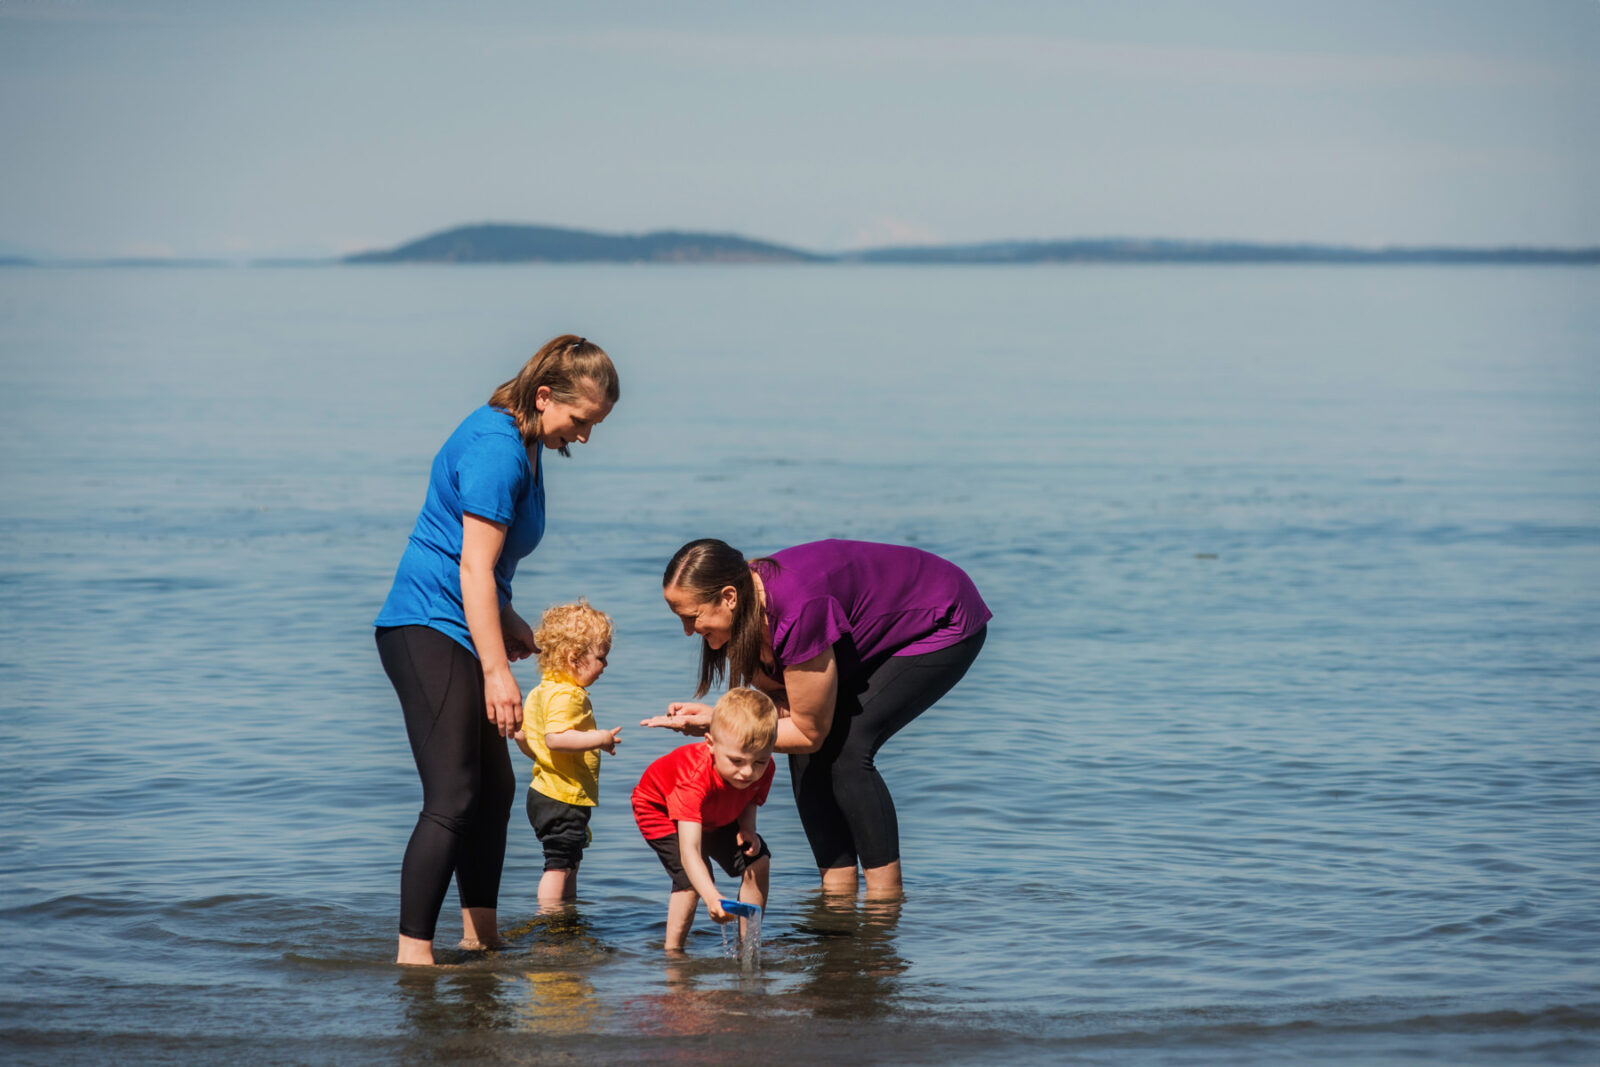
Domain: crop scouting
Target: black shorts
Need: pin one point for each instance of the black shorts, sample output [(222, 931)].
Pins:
[(563, 830), (721, 844)]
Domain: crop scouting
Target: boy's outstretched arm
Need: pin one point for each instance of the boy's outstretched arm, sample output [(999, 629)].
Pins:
[(694, 865)]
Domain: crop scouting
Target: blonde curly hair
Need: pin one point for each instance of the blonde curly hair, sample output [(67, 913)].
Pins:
[(567, 631)]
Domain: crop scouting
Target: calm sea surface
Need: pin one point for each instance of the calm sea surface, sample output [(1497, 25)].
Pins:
[(1284, 746)]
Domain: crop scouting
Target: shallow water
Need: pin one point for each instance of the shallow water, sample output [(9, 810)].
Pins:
[(1283, 746)]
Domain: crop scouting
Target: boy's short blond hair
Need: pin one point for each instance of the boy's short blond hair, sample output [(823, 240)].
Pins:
[(567, 631), (747, 718)]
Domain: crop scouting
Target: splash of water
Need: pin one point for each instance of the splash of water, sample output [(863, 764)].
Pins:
[(745, 945)]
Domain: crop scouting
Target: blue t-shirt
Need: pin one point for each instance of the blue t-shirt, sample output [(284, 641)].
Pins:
[(483, 470)]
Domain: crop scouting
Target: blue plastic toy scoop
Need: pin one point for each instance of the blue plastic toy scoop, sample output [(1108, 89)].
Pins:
[(739, 907)]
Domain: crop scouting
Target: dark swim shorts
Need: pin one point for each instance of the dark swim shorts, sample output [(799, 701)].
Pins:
[(563, 830), (721, 844)]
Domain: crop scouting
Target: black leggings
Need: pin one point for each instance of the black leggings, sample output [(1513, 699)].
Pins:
[(467, 782), (845, 808)]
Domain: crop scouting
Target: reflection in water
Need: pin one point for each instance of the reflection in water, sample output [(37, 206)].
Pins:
[(835, 967), (560, 1002), (846, 949), (538, 984), (839, 961), (440, 1000), (557, 946), (697, 999)]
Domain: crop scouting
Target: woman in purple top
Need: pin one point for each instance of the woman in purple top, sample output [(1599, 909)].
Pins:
[(853, 640)]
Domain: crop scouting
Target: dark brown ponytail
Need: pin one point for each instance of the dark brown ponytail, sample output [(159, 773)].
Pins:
[(703, 569)]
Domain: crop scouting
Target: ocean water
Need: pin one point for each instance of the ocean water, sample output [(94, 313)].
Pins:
[(1283, 747)]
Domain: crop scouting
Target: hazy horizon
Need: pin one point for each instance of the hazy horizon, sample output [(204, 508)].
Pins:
[(47, 259)]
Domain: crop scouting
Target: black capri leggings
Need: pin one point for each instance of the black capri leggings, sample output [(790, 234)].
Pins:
[(844, 805), (467, 782)]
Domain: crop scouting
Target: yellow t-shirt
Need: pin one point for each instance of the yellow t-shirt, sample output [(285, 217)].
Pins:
[(556, 705)]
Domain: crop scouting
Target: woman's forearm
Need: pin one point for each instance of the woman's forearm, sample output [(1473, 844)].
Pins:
[(812, 688), (481, 603), (481, 542), (794, 741)]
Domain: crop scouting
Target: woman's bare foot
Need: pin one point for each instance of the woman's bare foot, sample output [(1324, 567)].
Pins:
[(480, 930)]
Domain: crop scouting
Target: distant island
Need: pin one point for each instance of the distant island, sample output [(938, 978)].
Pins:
[(1129, 250), (549, 244), (503, 243), (509, 243)]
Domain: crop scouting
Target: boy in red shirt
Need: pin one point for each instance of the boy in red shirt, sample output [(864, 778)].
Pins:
[(700, 800)]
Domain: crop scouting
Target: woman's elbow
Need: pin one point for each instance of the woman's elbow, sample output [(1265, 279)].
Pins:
[(805, 745)]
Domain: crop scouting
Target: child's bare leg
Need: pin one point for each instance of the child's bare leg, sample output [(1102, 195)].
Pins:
[(680, 914), (558, 885), (480, 929), (414, 952), (753, 886)]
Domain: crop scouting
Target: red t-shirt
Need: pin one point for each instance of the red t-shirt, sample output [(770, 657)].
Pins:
[(683, 786)]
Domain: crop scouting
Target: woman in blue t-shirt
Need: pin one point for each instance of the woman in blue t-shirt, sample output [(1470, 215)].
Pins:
[(447, 633)]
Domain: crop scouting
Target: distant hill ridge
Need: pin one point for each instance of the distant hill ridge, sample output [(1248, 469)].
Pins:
[(509, 243), (506, 243), (491, 243), (1132, 250)]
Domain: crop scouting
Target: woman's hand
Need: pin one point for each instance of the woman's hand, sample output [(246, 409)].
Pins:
[(502, 700), (517, 635), (688, 718)]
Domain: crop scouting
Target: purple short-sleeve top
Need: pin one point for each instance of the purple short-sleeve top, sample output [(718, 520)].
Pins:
[(891, 600)]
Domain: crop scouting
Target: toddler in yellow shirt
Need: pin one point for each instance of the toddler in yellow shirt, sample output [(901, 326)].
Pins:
[(559, 734)]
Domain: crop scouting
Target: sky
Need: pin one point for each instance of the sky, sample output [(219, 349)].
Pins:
[(294, 128)]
